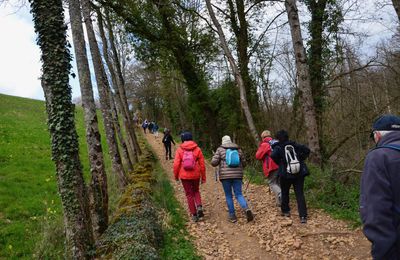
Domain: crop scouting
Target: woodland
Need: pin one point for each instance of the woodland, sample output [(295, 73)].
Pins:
[(215, 68)]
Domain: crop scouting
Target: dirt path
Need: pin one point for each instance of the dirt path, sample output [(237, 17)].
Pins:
[(269, 236)]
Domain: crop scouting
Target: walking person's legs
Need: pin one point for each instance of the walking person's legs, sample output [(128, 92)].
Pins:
[(188, 187), (285, 187), (274, 185), (301, 201), (237, 189), (197, 197), (166, 151), (169, 151), (227, 186)]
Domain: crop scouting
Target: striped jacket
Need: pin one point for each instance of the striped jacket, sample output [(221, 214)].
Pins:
[(226, 172)]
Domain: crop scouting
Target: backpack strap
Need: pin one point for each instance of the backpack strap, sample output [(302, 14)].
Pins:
[(390, 146)]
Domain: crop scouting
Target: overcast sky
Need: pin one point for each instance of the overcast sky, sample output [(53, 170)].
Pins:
[(20, 56)]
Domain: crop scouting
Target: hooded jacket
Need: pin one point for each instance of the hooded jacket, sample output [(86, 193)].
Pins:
[(278, 155), (263, 154), (198, 172), (380, 198), (226, 172)]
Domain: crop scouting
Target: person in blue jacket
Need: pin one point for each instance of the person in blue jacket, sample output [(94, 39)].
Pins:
[(287, 178), (380, 190)]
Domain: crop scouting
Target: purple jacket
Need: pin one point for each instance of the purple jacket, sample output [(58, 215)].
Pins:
[(380, 199)]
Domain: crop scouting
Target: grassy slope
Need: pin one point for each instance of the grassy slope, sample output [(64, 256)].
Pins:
[(28, 190)]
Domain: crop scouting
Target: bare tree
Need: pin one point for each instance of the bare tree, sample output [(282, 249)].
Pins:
[(303, 74)]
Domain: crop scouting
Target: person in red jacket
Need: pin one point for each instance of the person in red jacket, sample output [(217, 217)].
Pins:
[(189, 167), (269, 166)]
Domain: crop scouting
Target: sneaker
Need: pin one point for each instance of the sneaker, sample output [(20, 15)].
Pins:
[(195, 218), (200, 213), (249, 215), (285, 214), (303, 220), (232, 218)]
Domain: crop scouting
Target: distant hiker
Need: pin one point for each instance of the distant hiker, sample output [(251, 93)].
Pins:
[(229, 158), (145, 125), (167, 140), (189, 167), (151, 126), (292, 170), (269, 166), (380, 189), (155, 130)]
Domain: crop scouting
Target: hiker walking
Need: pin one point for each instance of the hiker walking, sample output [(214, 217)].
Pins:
[(270, 168), (189, 167), (292, 170), (151, 126), (380, 190), (155, 130), (229, 158), (167, 140), (145, 125)]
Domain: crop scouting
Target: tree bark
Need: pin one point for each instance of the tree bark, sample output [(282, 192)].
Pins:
[(104, 93), (121, 86), (396, 5), (48, 17), (236, 72), (98, 186), (304, 81), (128, 150)]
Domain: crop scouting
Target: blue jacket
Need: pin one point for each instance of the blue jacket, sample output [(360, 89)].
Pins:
[(380, 199), (278, 155)]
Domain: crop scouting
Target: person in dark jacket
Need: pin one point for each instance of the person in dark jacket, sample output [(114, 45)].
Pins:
[(287, 179), (380, 190), (167, 140), (231, 178)]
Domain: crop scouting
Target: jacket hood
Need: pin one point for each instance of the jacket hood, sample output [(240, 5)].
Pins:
[(188, 145), (267, 139), (230, 145), (393, 137)]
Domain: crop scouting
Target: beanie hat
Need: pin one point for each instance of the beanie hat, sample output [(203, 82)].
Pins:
[(186, 136), (282, 136), (226, 139), (265, 133)]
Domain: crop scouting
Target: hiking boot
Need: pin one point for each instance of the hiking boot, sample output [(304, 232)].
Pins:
[(303, 220), (285, 214), (200, 213), (195, 218), (232, 218), (249, 215)]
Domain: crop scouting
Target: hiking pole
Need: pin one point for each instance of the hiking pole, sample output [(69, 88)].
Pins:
[(248, 182)]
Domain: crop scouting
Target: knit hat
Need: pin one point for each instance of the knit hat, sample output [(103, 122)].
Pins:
[(282, 136), (265, 133), (186, 136), (226, 139)]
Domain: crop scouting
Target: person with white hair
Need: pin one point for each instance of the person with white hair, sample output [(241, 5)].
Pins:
[(229, 157), (380, 190)]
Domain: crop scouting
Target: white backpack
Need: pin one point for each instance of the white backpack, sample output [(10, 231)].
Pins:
[(293, 164)]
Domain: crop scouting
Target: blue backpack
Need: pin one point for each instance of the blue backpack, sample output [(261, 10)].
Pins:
[(232, 158)]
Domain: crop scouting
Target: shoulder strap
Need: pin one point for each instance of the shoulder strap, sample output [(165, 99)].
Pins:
[(390, 146)]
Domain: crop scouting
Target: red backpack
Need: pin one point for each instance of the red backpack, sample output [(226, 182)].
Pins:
[(188, 160)]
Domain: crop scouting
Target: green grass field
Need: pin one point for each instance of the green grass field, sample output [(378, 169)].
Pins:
[(29, 202)]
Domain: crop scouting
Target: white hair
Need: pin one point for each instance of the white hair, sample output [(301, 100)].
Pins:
[(383, 132)]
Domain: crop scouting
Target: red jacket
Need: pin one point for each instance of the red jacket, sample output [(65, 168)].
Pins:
[(200, 168), (263, 154)]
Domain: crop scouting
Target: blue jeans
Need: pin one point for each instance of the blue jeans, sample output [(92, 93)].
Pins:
[(236, 185)]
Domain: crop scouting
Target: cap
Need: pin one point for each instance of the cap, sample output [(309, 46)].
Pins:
[(387, 123)]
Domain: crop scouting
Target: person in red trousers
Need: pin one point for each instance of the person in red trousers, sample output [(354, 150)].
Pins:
[(190, 169)]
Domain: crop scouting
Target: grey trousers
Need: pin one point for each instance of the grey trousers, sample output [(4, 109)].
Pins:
[(274, 185)]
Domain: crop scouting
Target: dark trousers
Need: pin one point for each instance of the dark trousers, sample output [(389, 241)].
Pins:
[(168, 151), (298, 185)]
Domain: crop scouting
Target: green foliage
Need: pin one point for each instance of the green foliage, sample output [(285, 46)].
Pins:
[(34, 223), (327, 191)]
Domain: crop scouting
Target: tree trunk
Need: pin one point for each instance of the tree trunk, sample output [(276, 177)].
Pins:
[(121, 86), (304, 81), (396, 5), (48, 17), (98, 186), (104, 93), (238, 77), (130, 150)]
